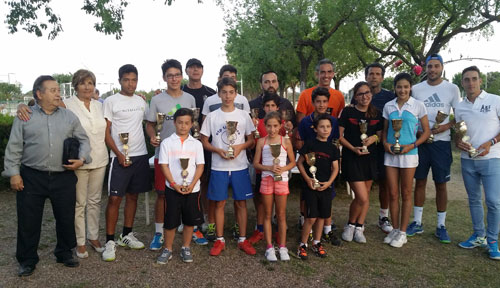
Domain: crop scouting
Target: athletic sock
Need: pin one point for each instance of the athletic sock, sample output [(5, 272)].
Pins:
[(221, 239), (159, 228), (260, 227), (351, 223), (269, 246), (110, 237), (241, 239), (316, 242), (417, 214), (383, 213), (126, 231), (303, 244), (441, 218), (358, 225), (327, 229)]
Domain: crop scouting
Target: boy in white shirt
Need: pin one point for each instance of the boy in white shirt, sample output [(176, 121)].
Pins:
[(182, 189), (227, 170)]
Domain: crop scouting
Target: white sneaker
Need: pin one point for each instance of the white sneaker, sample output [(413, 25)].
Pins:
[(390, 236), (359, 237), (399, 240), (130, 241), (271, 255), (284, 254), (348, 232), (109, 253), (385, 225)]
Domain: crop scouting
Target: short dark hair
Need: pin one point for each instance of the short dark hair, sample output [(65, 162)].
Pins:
[(267, 72), (270, 97), (229, 68), (127, 68), (272, 115), (184, 112), (322, 116), (170, 63), (38, 85), (471, 68), (320, 91), (325, 61), (374, 65), (226, 81), (402, 76)]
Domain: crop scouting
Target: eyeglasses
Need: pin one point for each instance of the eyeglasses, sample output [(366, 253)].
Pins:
[(172, 76), (364, 94)]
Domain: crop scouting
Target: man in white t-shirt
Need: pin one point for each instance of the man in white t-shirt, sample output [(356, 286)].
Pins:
[(167, 102), (437, 94), (480, 111), (229, 169), (124, 113)]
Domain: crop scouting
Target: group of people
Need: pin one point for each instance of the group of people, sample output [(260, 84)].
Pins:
[(380, 136)]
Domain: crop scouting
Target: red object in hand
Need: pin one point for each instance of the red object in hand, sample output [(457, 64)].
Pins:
[(398, 63), (417, 69)]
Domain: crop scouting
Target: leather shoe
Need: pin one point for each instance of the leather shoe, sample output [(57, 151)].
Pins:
[(70, 262), (25, 270)]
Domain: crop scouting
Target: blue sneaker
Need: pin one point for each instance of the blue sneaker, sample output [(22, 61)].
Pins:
[(198, 238), (473, 242), (493, 250), (414, 228), (442, 234), (157, 242)]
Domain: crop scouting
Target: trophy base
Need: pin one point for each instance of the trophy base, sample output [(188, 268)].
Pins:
[(128, 162), (473, 153), (278, 178), (396, 150), (158, 138), (430, 139)]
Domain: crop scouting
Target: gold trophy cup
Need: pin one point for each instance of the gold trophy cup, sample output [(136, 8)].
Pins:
[(160, 118), (286, 115), (311, 160), (196, 125), (397, 124), (184, 173), (275, 152), (461, 129), (363, 127), (231, 136), (440, 117), (124, 140), (255, 115)]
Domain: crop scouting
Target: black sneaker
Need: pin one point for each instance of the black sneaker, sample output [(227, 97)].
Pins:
[(332, 238)]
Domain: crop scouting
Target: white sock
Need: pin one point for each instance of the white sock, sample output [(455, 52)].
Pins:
[(303, 244), (315, 242), (159, 228), (327, 229), (441, 219), (221, 239), (417, 214), (241, 239), (383, 213)]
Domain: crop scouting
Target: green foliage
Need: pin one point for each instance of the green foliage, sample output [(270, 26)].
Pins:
[(9, 91), (63, 78), (388, 83), (5, 126)]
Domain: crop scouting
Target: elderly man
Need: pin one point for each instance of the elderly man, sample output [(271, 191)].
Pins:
[(34, 163)]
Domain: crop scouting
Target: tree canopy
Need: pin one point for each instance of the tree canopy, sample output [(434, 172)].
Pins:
[(9, 91)]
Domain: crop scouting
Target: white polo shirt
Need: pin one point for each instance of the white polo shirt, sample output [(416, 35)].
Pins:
[(214, 102), (482, 119), (172, 149)]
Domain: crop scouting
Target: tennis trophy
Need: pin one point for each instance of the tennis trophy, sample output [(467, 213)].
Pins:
[(255, 115), (231, 137), (311, 160), (160, 118), (196, 125), (124, 140), (397, 124), (440, 117), (363, 127), (184, 173), (286, 115), (461, 129), (275, 152)]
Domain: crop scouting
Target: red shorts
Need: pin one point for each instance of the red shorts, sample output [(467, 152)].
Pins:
[(159, 179), (268, 186)]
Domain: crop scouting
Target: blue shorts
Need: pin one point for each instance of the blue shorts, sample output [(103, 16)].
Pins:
[(219, 183), (436, 155)]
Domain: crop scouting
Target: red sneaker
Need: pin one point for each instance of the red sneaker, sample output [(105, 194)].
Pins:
[(247, 247), (256, 237), (217, 248)]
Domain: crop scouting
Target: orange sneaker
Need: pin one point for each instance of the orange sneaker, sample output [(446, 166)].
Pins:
[(256, 237), (247, 247), (217, 248)]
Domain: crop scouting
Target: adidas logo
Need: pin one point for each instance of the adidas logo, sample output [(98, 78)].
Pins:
[(433, 101)]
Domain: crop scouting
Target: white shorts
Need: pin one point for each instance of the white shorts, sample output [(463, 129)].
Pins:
[(400, 161)]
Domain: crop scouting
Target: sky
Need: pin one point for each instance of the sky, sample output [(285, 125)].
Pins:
[(154, 32)]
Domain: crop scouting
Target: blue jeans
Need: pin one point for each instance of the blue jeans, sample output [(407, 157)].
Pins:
[(487, 172)]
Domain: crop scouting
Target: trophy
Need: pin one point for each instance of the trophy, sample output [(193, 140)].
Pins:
[(255, 115), (184, 173), (461, 128), (336, 142), (311, 160), (286, 115), (275, 152), (196, 125), (440, 117), (363, 127), (160, 118), (231, 136), (397, 124), (124, 140)]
